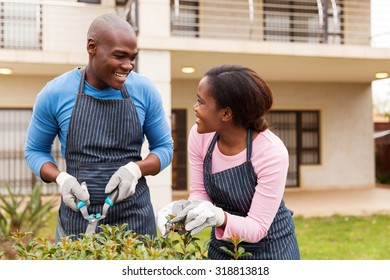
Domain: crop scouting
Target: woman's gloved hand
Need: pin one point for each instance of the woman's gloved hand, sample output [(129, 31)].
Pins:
[(203, 215), (178, 209), (71, 190), (125, 179)]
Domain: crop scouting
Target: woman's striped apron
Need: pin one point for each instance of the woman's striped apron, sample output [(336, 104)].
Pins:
[(103, 135), (233, 191)]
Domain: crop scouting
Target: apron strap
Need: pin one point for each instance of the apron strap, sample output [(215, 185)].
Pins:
[(124, 92)]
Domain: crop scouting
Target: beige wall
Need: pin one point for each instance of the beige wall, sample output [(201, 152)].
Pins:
[(20, 91), (160, 184), (347, 152)]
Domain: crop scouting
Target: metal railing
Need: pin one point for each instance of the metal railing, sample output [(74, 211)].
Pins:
[(53, 25), (20, 25), (14, 171), (50, 25), (306, 21)]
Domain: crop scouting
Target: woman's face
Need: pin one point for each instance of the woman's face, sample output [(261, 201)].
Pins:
[(208, 117), (113, 59)]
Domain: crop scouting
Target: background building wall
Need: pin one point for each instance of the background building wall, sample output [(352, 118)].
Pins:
[(347, 151), (20, 91)]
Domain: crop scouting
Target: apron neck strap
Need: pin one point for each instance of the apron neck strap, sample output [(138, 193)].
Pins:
[(124, 92), (249, 138)]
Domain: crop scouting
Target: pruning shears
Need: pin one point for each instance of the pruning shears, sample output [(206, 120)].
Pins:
[(93, 219)]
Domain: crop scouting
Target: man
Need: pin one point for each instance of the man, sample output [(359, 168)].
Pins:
[(101, 114)]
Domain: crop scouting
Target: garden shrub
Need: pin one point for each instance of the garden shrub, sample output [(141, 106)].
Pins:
[(22, 216), (114, 243), (22, 213)]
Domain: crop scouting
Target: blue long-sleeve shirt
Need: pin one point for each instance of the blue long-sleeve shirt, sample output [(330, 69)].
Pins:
[(54, 105)]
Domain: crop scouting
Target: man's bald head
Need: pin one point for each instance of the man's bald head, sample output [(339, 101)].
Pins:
[(105, 24)]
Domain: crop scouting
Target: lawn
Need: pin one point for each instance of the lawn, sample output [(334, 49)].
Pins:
[(334, 238), (344, 237)]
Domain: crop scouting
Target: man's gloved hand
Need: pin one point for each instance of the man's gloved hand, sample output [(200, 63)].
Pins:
[(202, 216), (175, 208), (126, 179), (71, 190)]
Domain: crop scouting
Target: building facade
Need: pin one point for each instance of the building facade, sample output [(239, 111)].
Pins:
[(317, 56)]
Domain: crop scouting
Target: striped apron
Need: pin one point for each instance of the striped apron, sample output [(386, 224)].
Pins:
[(103, 135), (233, 191)]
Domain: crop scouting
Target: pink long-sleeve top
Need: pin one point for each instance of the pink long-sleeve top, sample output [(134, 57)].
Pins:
[(270, 163)]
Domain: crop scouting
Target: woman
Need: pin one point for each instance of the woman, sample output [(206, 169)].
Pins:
[(238, 168)]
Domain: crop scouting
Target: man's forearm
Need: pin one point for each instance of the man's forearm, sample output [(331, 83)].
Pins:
[(150, 165), (49, 172)]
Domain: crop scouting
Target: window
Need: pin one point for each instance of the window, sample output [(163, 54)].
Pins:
[(21, 26), (300, 132), (303, 21), (184, 18)]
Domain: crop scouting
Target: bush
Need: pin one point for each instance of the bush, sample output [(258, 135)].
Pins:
[(21, 219), (22, 213), (112, 243)]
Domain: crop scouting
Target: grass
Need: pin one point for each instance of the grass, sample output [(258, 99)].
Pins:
[(48, 231), (333, 238), (344, 237)]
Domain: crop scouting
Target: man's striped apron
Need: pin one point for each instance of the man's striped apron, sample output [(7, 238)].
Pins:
[(103, 135)]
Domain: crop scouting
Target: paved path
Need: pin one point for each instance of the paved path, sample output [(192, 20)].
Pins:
[(324, 203)]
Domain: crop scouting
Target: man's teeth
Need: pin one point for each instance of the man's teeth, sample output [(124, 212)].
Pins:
[(120, 75)]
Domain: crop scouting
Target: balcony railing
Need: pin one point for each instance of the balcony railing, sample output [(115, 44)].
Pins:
[(305, 21), (49, 25), (53, 25)]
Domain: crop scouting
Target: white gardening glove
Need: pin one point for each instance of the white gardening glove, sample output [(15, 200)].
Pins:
[(202, 216), (182, 207), (175, 208), (71, 190), (125, 179)]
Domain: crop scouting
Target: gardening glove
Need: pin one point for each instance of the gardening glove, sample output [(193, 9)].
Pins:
[(180, 210), (202, 216), (71, 190), (172, 209), (125, 179)]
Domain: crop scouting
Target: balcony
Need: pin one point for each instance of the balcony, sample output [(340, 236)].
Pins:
[(42, 25), (48, 37), (303, 21), (45, 37)]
